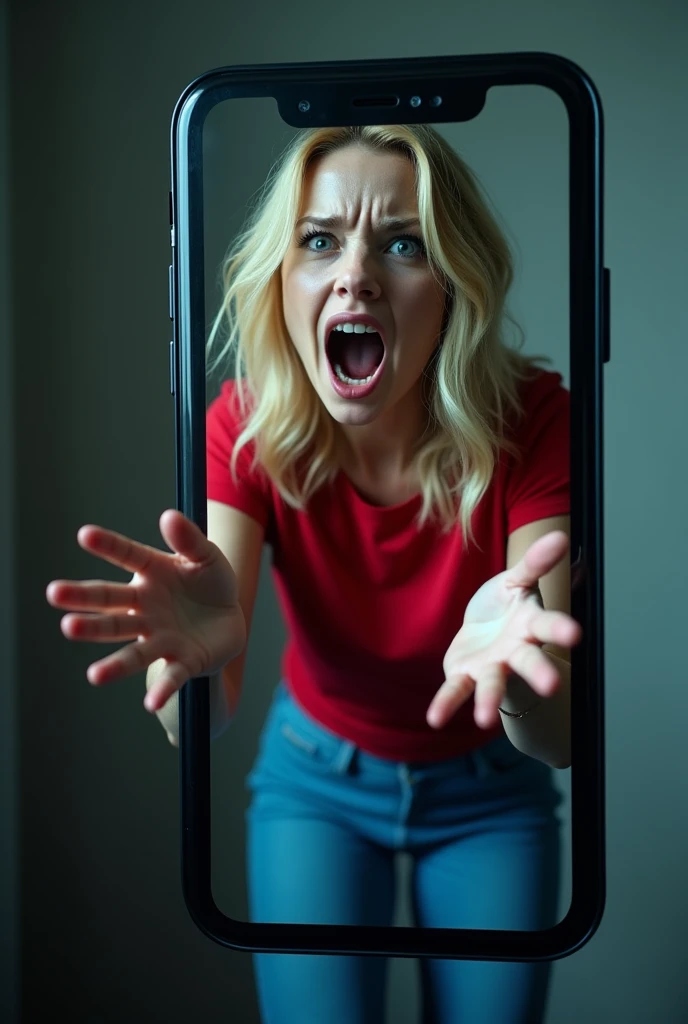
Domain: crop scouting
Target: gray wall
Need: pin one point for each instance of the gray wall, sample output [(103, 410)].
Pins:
[(105, 935)]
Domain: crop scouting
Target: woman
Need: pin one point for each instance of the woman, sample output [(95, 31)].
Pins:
[(410, 472)]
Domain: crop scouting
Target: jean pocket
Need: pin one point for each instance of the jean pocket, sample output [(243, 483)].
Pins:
[(304, 742)]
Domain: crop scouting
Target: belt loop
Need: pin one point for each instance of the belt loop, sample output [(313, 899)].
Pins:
[(342, 762)]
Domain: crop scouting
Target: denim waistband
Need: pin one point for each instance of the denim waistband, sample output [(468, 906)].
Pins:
[(339, 754)]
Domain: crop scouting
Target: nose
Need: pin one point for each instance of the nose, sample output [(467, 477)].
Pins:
[(356, 276)]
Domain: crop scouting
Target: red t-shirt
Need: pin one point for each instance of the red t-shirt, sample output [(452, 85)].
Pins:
[(371, 603)]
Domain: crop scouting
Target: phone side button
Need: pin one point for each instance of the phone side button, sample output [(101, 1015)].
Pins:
[(606, 316), (170, 290), (172, 368)]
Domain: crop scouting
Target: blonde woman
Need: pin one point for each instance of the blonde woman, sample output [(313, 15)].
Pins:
[(410, 472)]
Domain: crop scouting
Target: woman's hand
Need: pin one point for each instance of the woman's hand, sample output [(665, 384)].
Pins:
[(502, 631), (182, 607)]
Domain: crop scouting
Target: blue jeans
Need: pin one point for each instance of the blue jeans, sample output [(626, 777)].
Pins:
[(324, 825)]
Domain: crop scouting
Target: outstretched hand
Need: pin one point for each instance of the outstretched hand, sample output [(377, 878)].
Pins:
[(182, 607), (502, 633)]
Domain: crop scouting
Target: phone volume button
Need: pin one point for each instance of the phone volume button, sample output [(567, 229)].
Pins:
[(606, 315), (170, 290), (172, 374)]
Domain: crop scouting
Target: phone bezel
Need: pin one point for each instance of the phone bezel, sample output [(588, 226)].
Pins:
[(330, 89)]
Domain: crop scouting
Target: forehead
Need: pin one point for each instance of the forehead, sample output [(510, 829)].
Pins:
[(357, 176)]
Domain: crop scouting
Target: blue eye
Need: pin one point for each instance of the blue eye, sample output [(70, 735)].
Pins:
[(410, 246), (320, 243), (314, 241)]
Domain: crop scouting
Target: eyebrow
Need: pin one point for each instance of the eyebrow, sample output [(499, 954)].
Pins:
[(387, 223)]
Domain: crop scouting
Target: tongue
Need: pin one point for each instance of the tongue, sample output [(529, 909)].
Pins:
[(359, 355)]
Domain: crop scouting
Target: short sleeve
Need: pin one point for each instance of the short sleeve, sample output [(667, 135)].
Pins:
[(539, 482), (248, 490)]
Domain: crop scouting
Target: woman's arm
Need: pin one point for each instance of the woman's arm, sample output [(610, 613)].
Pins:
[(240, 538), (545, 732), (497, 656)]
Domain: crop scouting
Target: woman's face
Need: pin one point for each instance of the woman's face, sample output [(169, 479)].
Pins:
[(361, 304)]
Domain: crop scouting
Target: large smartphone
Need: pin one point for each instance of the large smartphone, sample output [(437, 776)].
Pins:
[(530, 127)]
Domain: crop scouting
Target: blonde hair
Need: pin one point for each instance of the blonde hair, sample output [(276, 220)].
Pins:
[(471, 382)]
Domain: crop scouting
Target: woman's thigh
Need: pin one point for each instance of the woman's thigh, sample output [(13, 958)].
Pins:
[(310, 862), (322, 830), (499, 879), (314, 871)]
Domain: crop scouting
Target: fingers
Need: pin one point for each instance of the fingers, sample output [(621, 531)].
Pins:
[(116, 549), (127, 661), (550, 627), (533, 666), (180, 534), (183, 663), (540, 558), (453, 692), (170, 682), (92, 595), (104, 628), (488, 688), (184, 536), (489, 692)]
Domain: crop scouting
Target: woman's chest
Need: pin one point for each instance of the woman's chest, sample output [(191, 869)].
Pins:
[(380, 556)]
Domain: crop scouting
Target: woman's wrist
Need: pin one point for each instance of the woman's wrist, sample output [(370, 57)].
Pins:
[(519, 699)]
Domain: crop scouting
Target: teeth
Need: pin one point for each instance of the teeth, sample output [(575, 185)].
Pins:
[(351, 328), (351, 380)]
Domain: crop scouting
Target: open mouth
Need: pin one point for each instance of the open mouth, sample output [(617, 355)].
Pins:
[(355, 352)]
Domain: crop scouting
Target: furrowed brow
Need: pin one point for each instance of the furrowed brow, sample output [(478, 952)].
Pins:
[(388, 223)]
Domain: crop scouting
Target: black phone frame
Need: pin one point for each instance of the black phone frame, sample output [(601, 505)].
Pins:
[(330, 89)]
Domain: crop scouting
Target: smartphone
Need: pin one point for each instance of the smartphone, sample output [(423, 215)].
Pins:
[(530, 125)]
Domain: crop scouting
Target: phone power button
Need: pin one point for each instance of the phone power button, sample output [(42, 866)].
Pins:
[(172, 374), (170, 290)]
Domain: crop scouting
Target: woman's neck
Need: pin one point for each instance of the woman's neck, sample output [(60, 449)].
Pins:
[(379, 457)]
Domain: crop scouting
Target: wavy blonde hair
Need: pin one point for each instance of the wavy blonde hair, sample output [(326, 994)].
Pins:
[(471, 381)]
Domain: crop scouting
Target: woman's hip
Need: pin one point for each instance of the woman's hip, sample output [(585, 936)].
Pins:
[(304, 770)]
